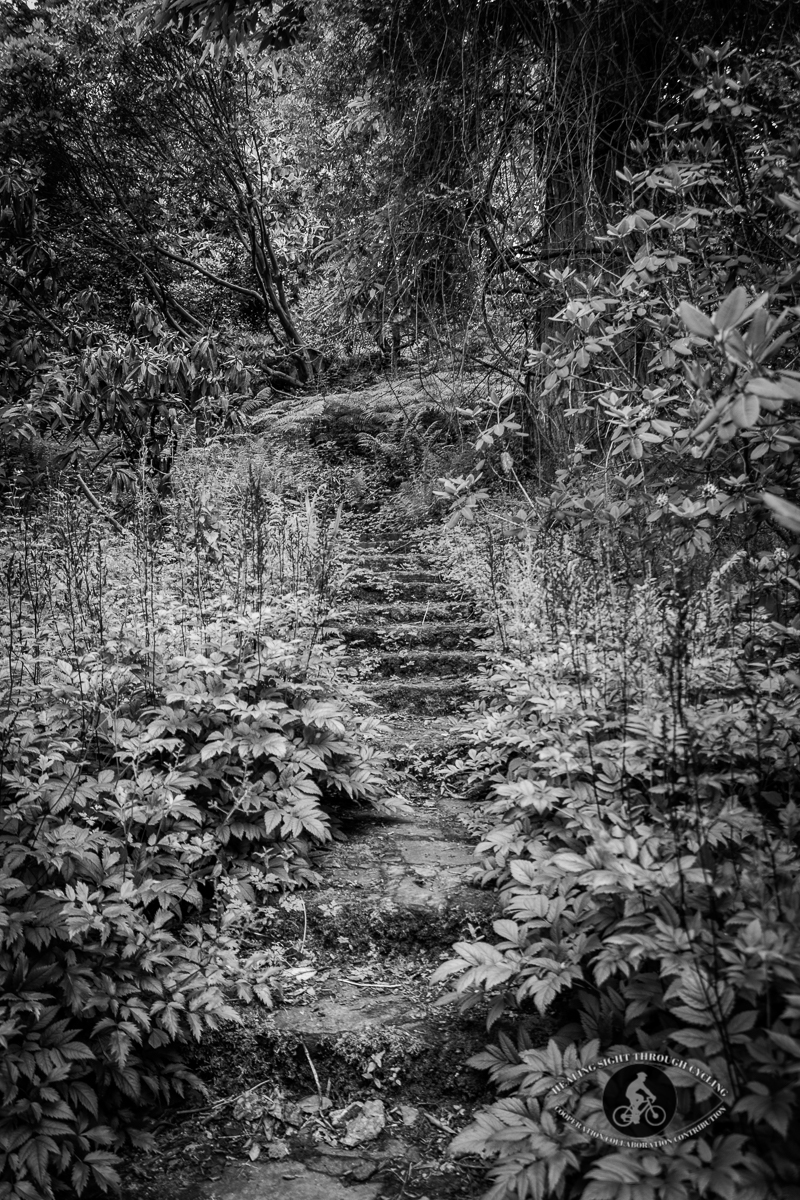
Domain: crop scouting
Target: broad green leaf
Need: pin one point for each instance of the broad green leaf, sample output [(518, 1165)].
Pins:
[(784, 512), (774, 389), (447, 969), (732, 309), (509, 930), (696, 321), (745, 410)]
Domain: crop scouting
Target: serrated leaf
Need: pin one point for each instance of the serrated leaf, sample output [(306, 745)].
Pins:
[(102, 1166), (523, 872), (447, 969), (743, 1021), (787, 1043), (566, 860), (80, 1177), (478, 953), (509, 930), (35, 1154)]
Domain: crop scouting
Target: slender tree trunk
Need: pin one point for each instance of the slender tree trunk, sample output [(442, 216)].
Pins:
[(267, 270)]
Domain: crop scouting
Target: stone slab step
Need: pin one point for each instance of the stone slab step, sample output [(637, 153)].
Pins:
[(406, 732), (432, 697), (408, 889), (282, 1181), (398, 588), (409, 560), (403, 870), (426, 855), (394, 537), (413, 662), (417, 576), (354, 1010), (446, 635), (408, 611)]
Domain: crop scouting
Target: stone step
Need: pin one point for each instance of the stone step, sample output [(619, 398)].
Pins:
[(439, 663), (417, 585), (260, 1180), (396, 537), (392, 564), (431, 696), (418, 576), (367, 552), (352, 1011), (408, 735), (445, 635), (404, 896), (408, 611)]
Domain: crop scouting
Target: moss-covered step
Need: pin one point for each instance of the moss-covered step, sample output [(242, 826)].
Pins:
[(422, 695), (408, 1040), (389, 635), (406, 561), (416, 585), (413, 661), (410, 611)]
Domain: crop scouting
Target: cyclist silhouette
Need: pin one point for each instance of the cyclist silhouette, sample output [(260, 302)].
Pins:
[(639, 1096), (641, 1108)]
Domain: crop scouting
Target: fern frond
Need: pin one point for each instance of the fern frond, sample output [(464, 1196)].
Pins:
[(251, 405)]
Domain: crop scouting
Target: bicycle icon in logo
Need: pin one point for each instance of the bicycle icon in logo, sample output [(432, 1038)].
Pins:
[(649, 1100), (626, 1115)]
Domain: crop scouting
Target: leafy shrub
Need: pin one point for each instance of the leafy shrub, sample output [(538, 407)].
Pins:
[(642, 830), (66, 374), (95, 990), (661, 402), (640, 730), (170, 727)]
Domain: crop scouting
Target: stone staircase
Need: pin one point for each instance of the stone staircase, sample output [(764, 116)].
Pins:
[(418, 633), (372, 1065)]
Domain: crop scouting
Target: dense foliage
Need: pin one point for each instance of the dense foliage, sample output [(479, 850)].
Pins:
[(640, 733), (161, 737), (642, 832), (202, 207)]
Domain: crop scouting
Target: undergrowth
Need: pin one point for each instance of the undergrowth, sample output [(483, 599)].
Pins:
[(633, 529), (172, 722), (642, 831)]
